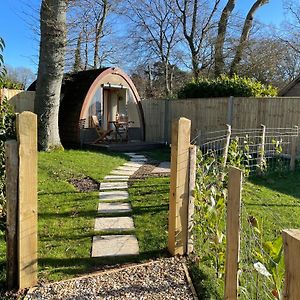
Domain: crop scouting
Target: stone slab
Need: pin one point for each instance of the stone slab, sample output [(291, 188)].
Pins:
[(163, 167), (122, 172), (138, 156), (113, 195), (114, 245), (134, 159), (134, 164), (128, 168), (116, 178), (113, 186), (130, 153), (114, 207), (114, 223)]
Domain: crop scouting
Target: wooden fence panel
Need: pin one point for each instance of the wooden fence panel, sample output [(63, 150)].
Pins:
[(212, 114)]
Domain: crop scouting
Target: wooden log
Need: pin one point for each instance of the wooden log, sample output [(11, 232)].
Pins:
[(179, 186), (291, 240), (27, 213), (294, 142), (226, 146), (12, 175), (191, 204), (233, 233)]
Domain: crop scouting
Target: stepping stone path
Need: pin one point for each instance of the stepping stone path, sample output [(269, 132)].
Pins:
[(114, 200)]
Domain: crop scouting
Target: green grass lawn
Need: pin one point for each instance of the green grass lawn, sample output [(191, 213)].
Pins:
[(66, 216), (150, 202)]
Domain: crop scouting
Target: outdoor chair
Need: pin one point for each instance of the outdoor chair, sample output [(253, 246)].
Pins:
[(102, 134)]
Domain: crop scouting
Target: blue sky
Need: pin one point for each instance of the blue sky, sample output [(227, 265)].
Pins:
[(16, 22)]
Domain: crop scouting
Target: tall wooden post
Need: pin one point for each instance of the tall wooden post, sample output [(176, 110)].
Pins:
[(233, 233), (261, 148), (226, 146), (27, 211), (294, 150), (12, 177), (291, 239), (191, 204), (179, 186)]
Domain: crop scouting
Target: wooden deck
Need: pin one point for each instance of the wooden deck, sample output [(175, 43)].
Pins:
[(125, 147)]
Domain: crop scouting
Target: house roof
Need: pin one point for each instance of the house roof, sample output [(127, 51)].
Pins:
[(289, 86)]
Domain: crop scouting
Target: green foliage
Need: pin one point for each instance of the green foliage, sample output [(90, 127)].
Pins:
[(11, 84), (225, 86)]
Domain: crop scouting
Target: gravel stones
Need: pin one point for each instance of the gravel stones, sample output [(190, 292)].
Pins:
[(163, 279)]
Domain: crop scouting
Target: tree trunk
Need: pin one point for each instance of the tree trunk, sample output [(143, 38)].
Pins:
[(245, 35), (77, 63), (98, 32), (222, 28), (50, 71), (167, 82)]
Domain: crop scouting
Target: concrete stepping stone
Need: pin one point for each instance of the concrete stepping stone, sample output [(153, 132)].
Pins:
[(138, 159), (138, 156), (163, 167), (130, 153), (134, 164), (114, 223), (128, 168), (114, 208), (116, 178), (113, 195), (114, 245), (123, 172), (113, 186)]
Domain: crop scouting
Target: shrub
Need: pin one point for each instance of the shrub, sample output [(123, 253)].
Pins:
[(225, 86), (7, 130), (12, 84)]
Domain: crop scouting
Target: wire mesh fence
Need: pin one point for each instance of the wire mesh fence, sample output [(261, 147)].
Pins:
[(264, 151)]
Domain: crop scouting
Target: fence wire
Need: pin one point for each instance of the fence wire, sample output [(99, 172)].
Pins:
[(259, 151)]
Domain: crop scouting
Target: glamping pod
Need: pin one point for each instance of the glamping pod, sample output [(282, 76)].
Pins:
[(93, 105)]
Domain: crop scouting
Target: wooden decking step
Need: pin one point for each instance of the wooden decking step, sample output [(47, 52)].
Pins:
[(114, 224), (115, 245), (114, 208), (113, 195), (113, 186)]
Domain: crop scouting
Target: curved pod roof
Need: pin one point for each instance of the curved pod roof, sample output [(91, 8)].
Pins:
[(77, 92)]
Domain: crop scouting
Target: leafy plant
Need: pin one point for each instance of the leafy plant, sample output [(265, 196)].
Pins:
[(225, 86)]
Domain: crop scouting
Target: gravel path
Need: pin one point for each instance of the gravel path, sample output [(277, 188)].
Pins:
[(162, 279)]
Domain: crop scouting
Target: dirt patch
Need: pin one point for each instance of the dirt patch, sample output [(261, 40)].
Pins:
[(85, 184)]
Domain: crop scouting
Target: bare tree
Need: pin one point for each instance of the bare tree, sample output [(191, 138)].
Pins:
[(245, 35), (222, 29), (50, 71), (154, 32), (20, 74), (197, 21)]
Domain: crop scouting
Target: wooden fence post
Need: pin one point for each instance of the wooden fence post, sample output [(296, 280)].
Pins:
[(233, 233), (26, 126), (191, 204), (226, 146), (12, 175), (261, 148), (230, 110), (294, 150), (179, 187), (291, 240)]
